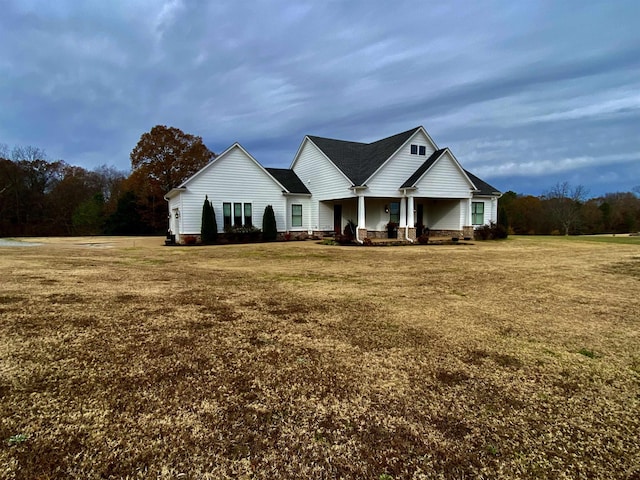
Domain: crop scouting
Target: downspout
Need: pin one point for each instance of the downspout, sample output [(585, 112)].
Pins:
[(406, 234)]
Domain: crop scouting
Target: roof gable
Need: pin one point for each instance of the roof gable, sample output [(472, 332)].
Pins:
[(221, 157), (359, 161), (442, 173)]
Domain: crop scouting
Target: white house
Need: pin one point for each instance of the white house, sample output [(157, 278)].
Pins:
[(405, 180)]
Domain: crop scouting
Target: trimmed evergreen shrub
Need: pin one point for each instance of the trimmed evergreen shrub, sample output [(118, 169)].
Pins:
[(269, 227), (502, 218), (209, 229)]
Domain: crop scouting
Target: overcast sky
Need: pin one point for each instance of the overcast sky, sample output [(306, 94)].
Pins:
[(525, 94)]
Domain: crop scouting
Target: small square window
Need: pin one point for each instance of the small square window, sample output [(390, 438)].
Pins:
[(414, 149), (423, 150)]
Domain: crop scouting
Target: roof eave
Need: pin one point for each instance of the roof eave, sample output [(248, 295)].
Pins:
[(174, 192), (294, 194)]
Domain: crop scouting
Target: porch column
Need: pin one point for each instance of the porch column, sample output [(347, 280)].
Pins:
[(361, 212), (410, 232), (403, 212), (469, 214), (361, 234), (411, 222)]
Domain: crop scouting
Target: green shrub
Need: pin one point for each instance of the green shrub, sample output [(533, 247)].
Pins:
[(242, 234), (492, 231)]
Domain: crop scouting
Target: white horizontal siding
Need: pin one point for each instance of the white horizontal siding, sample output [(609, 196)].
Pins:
[(444, 215), (321, 177), (388, 179), (444, 180), (490, 209), (233, 178), (325, 216), (306, 214)]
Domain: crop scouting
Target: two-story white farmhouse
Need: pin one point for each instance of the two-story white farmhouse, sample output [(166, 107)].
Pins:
[(405, 180)]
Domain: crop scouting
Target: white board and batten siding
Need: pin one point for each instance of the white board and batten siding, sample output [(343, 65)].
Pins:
[(400, 166), (231, 178), (444, 179)]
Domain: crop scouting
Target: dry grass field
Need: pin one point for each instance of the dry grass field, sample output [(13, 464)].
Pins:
[(122, 358)]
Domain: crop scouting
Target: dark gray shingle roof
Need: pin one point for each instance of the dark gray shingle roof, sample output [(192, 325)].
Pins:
[(358, 161), (289, 180), (484, 187)]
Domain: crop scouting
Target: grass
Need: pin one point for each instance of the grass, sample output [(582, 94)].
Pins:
[(121, 358), (609, 238)]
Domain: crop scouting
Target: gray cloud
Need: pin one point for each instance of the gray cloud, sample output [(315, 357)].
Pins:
[(525, 93)]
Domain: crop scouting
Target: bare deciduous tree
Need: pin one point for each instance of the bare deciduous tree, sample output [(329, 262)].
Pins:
[(564, 203)]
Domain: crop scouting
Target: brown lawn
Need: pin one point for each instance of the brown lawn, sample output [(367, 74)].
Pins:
[(122, 358)]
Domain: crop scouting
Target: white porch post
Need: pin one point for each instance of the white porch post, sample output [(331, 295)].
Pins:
[(361, 229), (469, 214), (411, 222), (403, 212)]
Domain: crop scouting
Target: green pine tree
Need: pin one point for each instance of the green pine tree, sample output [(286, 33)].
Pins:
[(209, 229), (269, 227)]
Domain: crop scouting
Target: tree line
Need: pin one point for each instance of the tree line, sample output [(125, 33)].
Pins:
[(566, 210), (41, 197)]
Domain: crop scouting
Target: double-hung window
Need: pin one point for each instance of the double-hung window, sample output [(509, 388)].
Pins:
[(247, 215), (394, 212), (237, 214), (296, 215), (226, 213), (477, 213)]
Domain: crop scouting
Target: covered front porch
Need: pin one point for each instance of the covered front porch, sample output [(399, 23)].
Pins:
[(405, 217)]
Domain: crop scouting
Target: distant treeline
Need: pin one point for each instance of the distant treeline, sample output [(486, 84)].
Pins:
[(48, 198), (564, 210), (39, 197)]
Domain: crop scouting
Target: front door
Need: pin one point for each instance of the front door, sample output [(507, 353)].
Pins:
[(337, 218), (419, 219)]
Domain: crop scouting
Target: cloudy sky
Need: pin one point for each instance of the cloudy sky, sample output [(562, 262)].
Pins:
[(526, 94)]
